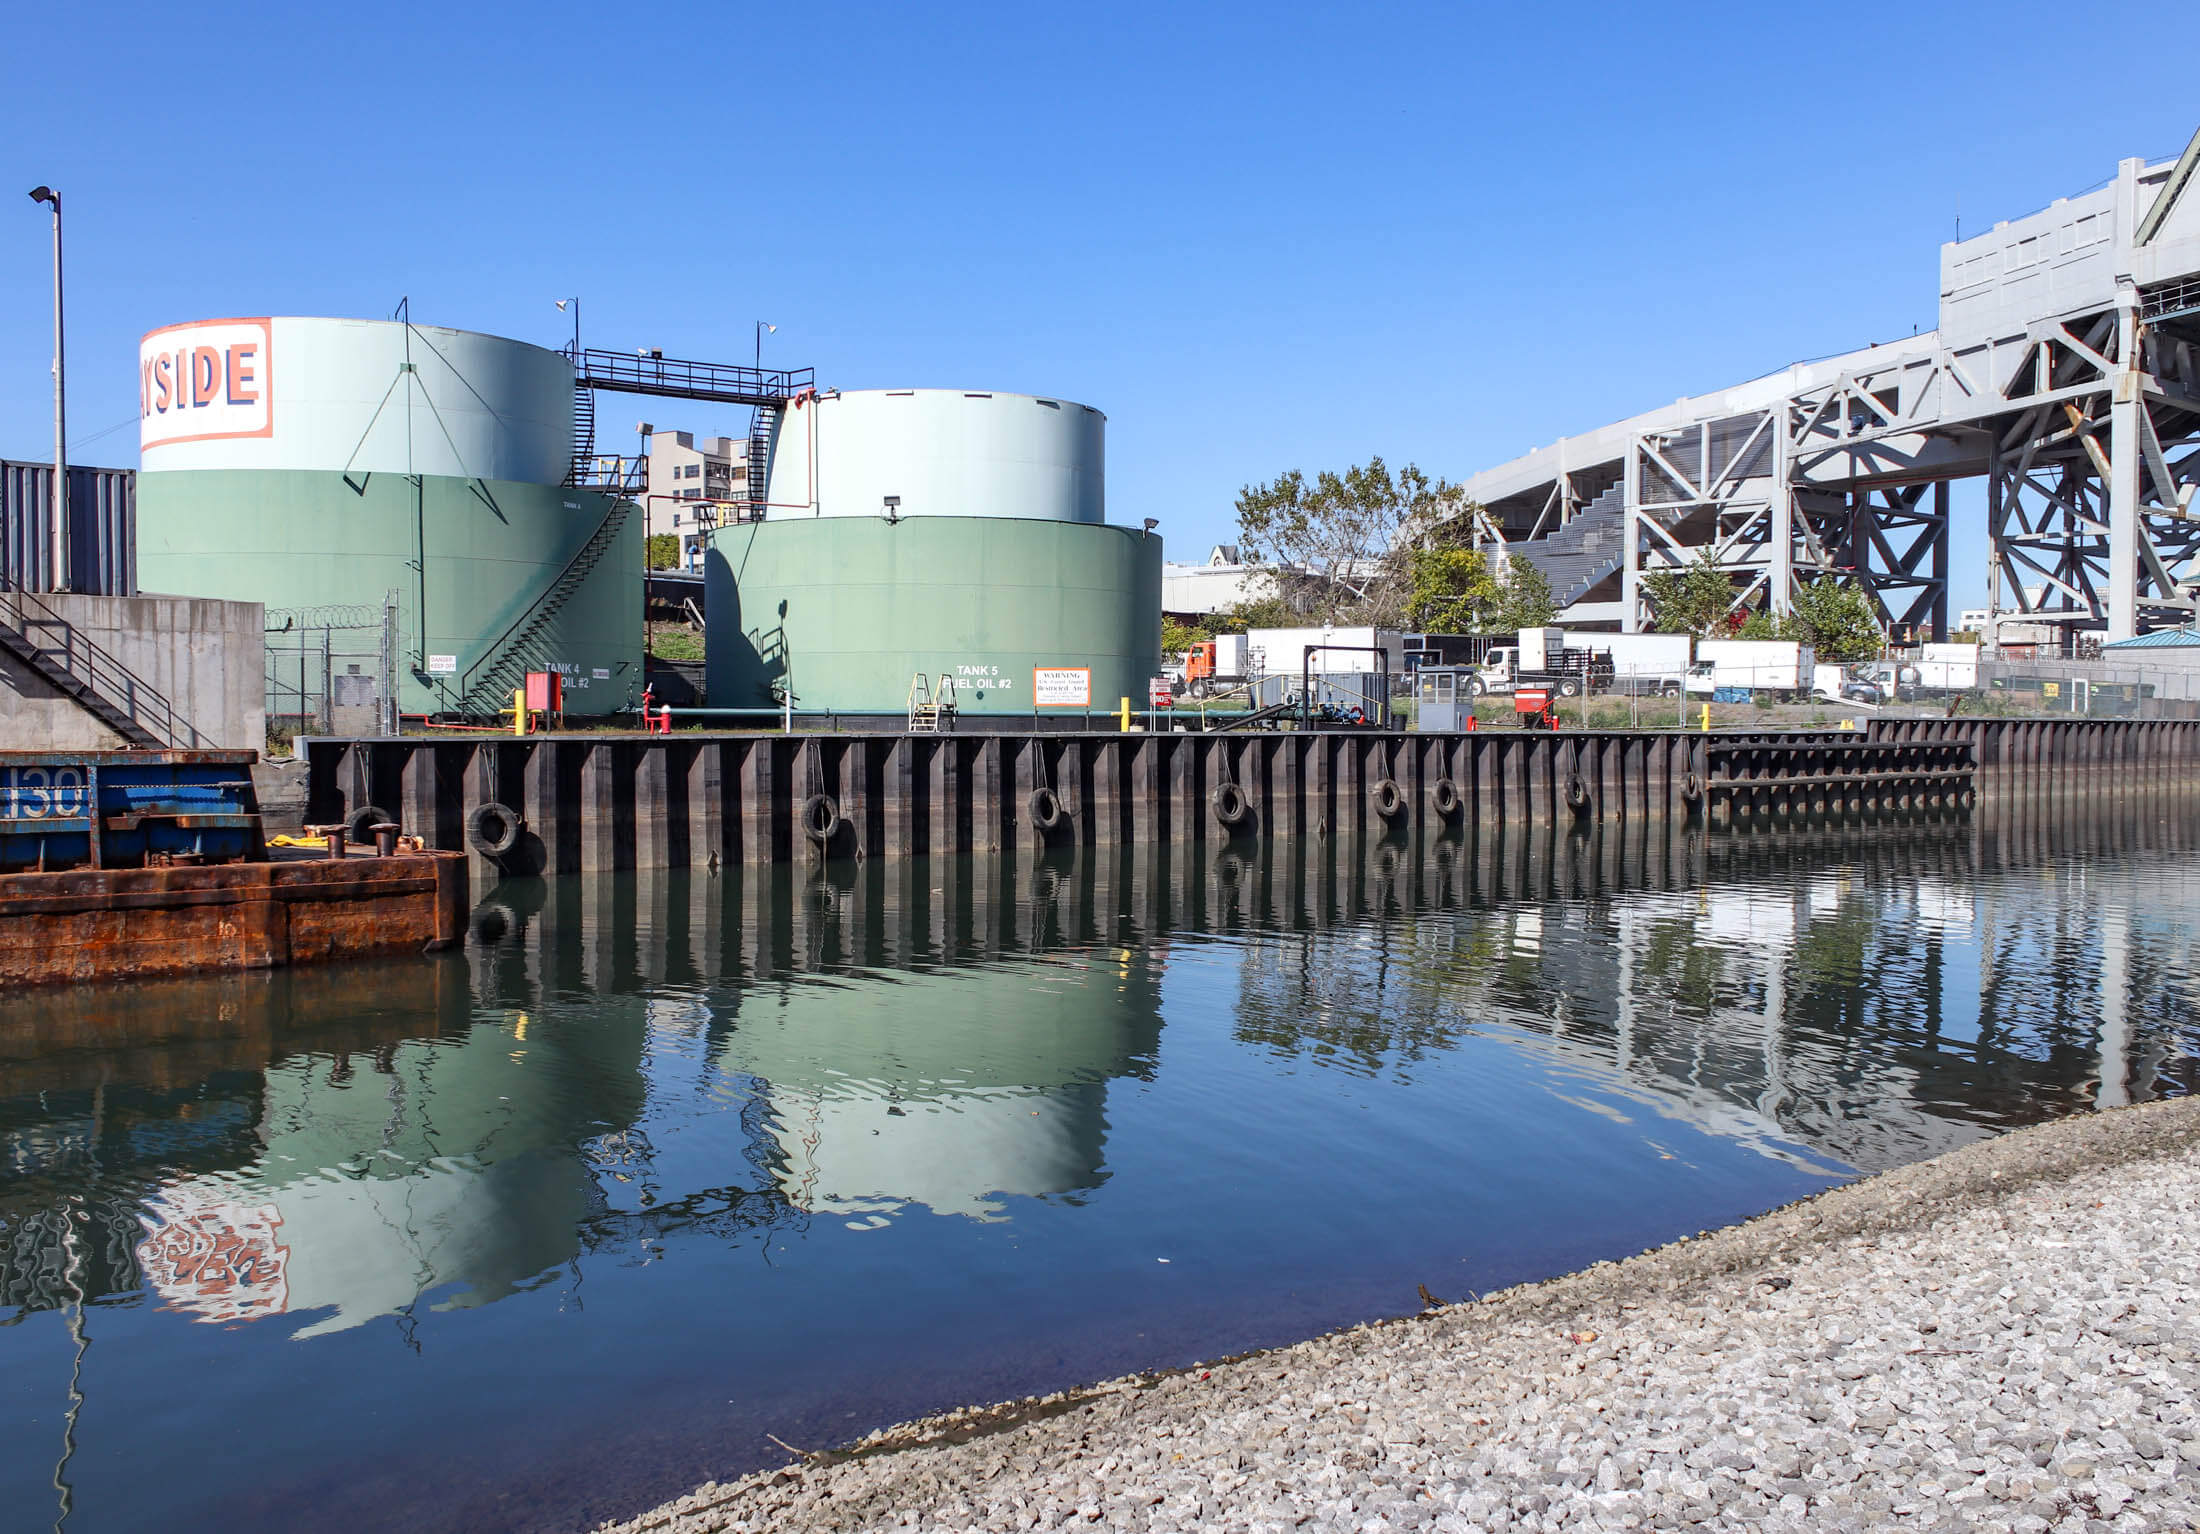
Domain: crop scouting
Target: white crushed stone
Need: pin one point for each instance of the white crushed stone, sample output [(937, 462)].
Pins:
[(2007, 1338)]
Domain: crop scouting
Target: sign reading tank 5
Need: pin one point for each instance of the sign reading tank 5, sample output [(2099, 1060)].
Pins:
[(205, 380)]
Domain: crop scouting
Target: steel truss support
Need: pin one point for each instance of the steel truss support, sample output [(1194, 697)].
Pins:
[(1705, 490), (2091, 480)]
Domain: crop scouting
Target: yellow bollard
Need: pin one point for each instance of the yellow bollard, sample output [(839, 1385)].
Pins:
[(1126, 716), (1707, 719), (519, 711)]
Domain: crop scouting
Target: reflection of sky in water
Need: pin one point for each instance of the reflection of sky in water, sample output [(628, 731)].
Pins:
[(681, 1162)]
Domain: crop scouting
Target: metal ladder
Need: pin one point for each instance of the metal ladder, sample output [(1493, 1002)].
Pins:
[(584, 434), (763, 427), (927, 707)]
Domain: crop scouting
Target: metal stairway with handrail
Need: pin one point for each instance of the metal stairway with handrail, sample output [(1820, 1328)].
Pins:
[(763, 432), (89, 675), (928, 708), (487, 686)]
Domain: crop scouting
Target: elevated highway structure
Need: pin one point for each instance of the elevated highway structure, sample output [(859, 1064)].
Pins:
[(2065, 373)]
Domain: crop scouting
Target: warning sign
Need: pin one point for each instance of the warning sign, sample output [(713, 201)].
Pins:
[(1061, 686), (1157, 693)]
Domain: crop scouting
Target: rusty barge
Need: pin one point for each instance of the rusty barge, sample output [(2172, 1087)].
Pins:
[(119, 865)]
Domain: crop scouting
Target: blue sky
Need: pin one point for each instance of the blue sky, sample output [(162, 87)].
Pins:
[(1259, 238)]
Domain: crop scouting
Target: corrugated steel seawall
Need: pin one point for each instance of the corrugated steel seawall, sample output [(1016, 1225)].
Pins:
[(596, 803), (102, 528)]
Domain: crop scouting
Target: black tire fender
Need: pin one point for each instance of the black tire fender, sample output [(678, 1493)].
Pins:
[(821, 818), (1045, 808), (360, 823), (1691, 789), (1389, 798), (1577, 794), (492, 829), (1445, 799), (1229, 804)]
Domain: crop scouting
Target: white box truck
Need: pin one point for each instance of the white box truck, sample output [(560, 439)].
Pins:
[(1948, 667), (1780, 666), (1643, 663), (1282, 652)]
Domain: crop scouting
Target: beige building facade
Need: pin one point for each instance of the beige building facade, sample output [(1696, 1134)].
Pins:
[(691, 479)]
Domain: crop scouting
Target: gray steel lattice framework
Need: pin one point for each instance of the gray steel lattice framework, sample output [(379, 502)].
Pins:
[(2063, 373)]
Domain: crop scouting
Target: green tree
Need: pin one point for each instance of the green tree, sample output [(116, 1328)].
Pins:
[(1177, 637), (1449, 590), (1763, 625), (1349, 532), (1693, 599), (1837, 620), (663, 551), (1524, 599)]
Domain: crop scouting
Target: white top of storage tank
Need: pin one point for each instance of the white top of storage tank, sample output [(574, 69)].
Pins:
[(359, 396), (940, 452)]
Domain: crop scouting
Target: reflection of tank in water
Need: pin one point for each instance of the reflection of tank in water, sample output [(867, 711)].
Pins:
[(447, 1166), (386, 1163), (944, 1087)]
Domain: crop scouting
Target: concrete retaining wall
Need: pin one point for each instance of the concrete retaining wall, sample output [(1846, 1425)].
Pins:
[(204, 656)]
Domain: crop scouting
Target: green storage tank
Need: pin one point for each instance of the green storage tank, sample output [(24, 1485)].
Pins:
[(306, 463), (934, 533)]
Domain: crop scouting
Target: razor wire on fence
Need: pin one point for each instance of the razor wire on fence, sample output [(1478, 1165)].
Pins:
[(332, 669)]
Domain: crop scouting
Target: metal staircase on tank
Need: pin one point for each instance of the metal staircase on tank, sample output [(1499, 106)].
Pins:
[(487, 687), (1585, 551), (763, 430), (927, 707), (88, 675), (584, 434)]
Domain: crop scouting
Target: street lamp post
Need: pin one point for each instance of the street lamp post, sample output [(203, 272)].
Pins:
[(57, 574), (761, 327), (576, 306)]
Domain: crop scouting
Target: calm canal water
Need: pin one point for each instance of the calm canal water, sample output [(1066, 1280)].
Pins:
[(542, 1232)]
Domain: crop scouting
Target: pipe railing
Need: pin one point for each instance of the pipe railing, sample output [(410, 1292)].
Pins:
[(97, 668)]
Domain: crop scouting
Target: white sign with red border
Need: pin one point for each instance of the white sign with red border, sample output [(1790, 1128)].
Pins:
[(1061, 686), (1157, 693), (204, 381)]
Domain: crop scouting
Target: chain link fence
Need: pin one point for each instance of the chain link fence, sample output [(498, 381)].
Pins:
[(2097, 689), (332, 670)]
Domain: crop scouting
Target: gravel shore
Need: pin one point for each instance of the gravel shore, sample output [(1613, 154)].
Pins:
[(2007, 1337)]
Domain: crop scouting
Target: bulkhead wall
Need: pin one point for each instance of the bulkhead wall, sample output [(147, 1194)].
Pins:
[(487, 551), (940, 452), (847, 610)]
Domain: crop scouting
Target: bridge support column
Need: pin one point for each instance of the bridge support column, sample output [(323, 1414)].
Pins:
[(2123, 472)]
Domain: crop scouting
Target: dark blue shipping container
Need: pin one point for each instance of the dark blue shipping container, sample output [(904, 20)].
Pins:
[(102, 528)]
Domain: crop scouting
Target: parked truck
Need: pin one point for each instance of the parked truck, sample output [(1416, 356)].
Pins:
[(1541, 657), (1216, 665), (1743, 667), (1645, 663), (1945, 668)]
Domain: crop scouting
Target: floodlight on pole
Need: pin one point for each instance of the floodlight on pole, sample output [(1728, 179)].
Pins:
[(57, 575), (576, 307), (761, 327)]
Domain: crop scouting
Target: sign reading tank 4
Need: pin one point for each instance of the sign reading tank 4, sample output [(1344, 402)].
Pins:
[(205, 380)]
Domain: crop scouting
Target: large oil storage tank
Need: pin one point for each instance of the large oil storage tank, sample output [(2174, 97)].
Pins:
[(934, 532), (317, 463)]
